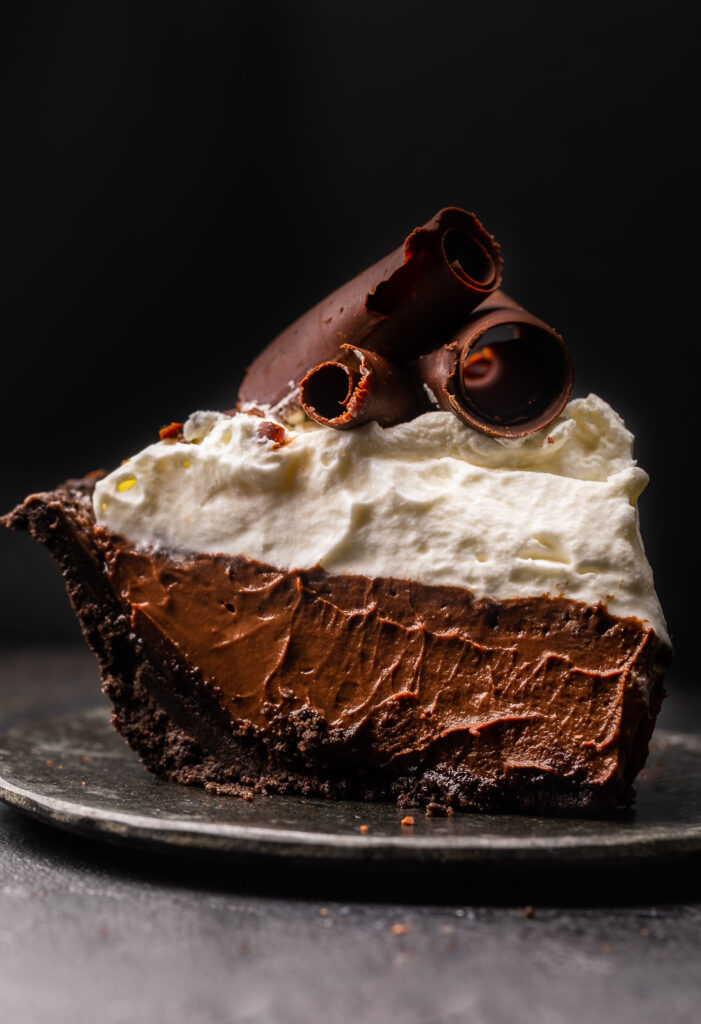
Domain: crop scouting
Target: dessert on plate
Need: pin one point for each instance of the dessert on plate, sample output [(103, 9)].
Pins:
[(407, 567)]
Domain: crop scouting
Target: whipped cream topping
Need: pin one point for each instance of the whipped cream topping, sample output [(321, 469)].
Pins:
[(431, 500)]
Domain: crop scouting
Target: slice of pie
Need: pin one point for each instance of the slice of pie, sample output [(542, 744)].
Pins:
[(419, 612)]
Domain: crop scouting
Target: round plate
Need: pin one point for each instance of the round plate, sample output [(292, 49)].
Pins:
[(76, 773)]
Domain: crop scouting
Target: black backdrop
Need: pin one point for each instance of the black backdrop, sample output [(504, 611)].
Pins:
[(182, 179)]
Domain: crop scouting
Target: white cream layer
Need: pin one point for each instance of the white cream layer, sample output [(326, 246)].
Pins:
[(430, 500)]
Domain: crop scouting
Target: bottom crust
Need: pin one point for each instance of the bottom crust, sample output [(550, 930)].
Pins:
[(535, 705)]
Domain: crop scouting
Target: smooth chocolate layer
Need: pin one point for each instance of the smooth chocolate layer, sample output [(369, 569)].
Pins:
[(230, 673), (404, 305)]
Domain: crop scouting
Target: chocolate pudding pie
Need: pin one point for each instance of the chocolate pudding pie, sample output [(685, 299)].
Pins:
[(407, 567)]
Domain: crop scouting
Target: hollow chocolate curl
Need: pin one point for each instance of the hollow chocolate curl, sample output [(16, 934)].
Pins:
[(399, 308), (358, 387), (502, 386)]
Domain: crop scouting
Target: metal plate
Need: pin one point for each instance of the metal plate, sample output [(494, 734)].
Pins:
[(76, 773)]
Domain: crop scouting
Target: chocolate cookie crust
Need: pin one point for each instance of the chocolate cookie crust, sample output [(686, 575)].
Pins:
[(242, 677)]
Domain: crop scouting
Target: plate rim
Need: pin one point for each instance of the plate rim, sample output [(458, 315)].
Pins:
[(231, 839)]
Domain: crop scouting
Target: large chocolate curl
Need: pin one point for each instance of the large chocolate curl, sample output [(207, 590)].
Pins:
[(357, 387), (504, 372), (398, 308)]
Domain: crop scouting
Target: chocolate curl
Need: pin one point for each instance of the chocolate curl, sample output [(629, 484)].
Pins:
[(497, 300), (358, 387), (505, 372), (398, 308)]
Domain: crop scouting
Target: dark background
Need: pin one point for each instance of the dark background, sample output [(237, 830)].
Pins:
[(182, 179)]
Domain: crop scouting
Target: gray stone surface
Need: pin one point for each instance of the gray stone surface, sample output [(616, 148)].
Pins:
[(94, 932)]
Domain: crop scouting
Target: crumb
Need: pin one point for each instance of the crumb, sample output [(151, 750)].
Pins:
[(86, 759), (60, 766), (173, 430), (436, 810), (364, 829), (408, 821), (83, 783), (400, 929), (230, 789), (529, 911), (49, 761), (644, 931), (323, 911)]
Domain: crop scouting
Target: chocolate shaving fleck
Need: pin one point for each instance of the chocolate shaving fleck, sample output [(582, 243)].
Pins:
[(274, 432), (399, 308), (173, 431)]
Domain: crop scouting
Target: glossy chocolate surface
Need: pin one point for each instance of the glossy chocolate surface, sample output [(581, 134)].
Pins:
[(403, 305), (358, 387), (505, 372), (404, 333)]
